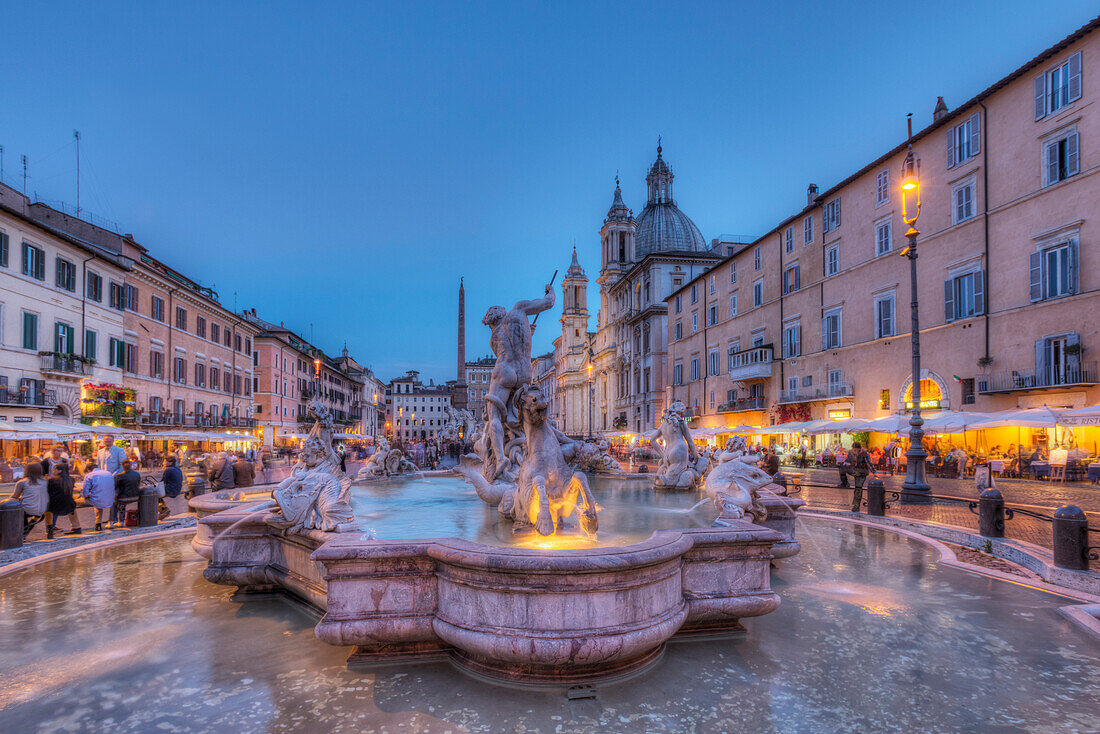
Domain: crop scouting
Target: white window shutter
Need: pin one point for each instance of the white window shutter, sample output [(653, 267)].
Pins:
[(1040, 96), (975, 134), (979, 292), (836, 214), (1052, 163), (1074, 76), (951, 148), (1073, 266), (824, 332), (1035, 276), (1072, 164), (948, 301)]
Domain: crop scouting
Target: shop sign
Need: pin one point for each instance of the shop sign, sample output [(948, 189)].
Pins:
[(924, 404), (840, 414)]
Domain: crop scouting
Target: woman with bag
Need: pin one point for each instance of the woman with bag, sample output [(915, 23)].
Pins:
[(59, 488)]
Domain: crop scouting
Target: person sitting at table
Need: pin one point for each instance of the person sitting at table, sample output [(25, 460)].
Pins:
[(172, 478), (127, 489), (59, 487), (875, 455), (98, 491), (31, 490)]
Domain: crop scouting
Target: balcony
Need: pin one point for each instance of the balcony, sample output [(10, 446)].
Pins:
[(30, 397), (758, 402), (752, 364), (813, 394), (63, 365), (1047, 378), (175, 420)]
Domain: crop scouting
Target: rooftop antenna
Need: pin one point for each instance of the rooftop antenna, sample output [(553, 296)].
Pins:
[(1, 163), (24, 175), (76, 137)]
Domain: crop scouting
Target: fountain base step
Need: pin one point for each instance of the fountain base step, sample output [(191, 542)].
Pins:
[(555, 676)]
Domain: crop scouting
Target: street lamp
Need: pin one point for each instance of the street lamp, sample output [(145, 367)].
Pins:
[(914, 487), (591, 394)]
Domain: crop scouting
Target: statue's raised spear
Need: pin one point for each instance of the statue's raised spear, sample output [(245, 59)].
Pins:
[(552, 279)]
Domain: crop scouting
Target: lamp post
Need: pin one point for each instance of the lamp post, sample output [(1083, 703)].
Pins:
[(591, 395), (914, 485)]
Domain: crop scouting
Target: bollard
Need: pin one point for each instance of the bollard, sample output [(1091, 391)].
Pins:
[(196, 484), (1071, 538), (781, 480), (876, 497), (11, 524), (147, 507), (991, 514)]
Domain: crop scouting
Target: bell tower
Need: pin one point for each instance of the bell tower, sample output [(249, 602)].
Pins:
[(574, 307), (617, 236)]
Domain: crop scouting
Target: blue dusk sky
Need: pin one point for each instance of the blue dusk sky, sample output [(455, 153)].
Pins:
[(338, 167)]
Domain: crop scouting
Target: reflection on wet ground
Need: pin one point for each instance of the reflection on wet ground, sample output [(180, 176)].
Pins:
[(873, 635), (447, 507)]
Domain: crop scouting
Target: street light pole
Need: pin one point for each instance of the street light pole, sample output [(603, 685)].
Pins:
[(914, 488)]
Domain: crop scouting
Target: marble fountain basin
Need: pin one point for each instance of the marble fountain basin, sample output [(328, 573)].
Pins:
[(528, 610)]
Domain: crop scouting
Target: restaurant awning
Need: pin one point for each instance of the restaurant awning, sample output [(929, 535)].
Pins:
[(44, 430)]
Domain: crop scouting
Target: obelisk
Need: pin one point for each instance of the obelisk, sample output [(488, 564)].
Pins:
[(459, 397)]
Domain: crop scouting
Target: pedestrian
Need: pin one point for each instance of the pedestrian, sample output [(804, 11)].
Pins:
[(859, 464), (222, 473), (244, 473), (771, 462), (32, 491), (342, 453), (98, 491), (110, 456), (172, 477), (59, 487), (127, 489)]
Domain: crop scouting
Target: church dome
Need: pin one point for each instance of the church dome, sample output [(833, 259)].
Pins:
[(662, 227)]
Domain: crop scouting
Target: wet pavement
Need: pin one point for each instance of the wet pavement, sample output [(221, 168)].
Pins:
[(872, 635)]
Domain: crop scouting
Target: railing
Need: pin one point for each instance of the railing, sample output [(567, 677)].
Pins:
[(30, 397), (734, 406), (821, 392), (751, 363), (193, 421), (73, 365), (1054, 376)]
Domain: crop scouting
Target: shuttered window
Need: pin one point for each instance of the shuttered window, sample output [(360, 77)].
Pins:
[(1058, 87), (1061, 158), (831, 218), (1053, 271), (964, 141), (964, 296)]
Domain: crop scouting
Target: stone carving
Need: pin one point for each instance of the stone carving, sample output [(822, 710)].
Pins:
[(460, 425), (681, 465), (520, 457), (591, 456), (735, 483), (317, 494), (386, 462)]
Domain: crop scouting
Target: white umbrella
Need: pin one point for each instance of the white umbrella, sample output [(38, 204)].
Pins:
[(1043, 417), (789, 427), (894, 423), (109, 431), (818, 427), (1087, 416), (743, 428), (956, 422), (31, 430)]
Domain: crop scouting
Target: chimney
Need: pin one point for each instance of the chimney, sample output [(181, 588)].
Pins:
[(941, 110), (811, 194)]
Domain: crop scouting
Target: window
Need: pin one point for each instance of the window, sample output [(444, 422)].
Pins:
[(1058, 87), (225, 335), (694, 322), (34, 261), (788, 239), (214, 379), (156, 364), (883, 242), (179, 371), (200, 326), (227, 383), (756, 258), (116, 353), (678, 374), (832, 260), (90, 346), (30, 330), (713, 287), (63, 338), (964, 141), (200, 375), (885, 306), (93, 289), (808, 230), (882, 187), (66, 275), (832, 329), (215, 334), (694, 293), (836, 386), (884, 399), (712, 315), (733, 305), (130, 297), (694, 368), (963, 296), (156, 308), (118, 298), (129, 357), (733, 272), (247, 346), (792, 340), (1053, 271), (791, 279), (1060, 157), (712, 362), (757, 293), (967, 386), (3, 249), (677, 331), (237, 342), (678, 303), (831, 216), (962, 198), (181, 318)]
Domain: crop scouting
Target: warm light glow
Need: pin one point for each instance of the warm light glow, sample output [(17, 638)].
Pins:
[(910, 191), (909, 183)]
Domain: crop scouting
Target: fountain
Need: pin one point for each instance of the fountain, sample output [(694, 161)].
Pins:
[(386, 462), (556, 598), (681, 466)]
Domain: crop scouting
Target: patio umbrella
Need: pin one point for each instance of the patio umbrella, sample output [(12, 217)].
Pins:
[(1043, 417), (1087, 416), (110, 431), (789, 427), (31, 430), (894, 423), (956, 422)]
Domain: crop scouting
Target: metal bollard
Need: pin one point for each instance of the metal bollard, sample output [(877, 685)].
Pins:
[(11, 524), (876, 497), (1071, 538), (196, 484), (147, 507), (991, 514)]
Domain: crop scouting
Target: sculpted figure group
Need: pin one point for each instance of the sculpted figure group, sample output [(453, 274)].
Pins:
[(520, 461)]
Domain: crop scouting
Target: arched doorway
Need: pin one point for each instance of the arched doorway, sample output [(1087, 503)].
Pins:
[(933, 393)]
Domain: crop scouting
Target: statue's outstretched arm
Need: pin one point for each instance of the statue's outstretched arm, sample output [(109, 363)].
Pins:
[(539, 304)]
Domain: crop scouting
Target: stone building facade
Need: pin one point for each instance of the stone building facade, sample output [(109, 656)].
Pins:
[(812, 319), (415, 411)]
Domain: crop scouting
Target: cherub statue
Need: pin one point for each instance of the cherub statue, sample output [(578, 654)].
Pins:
[(734, 484), (681, 465), (317, 494)]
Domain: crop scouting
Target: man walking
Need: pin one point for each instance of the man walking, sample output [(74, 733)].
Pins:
[(859, 466), (244, 473)]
